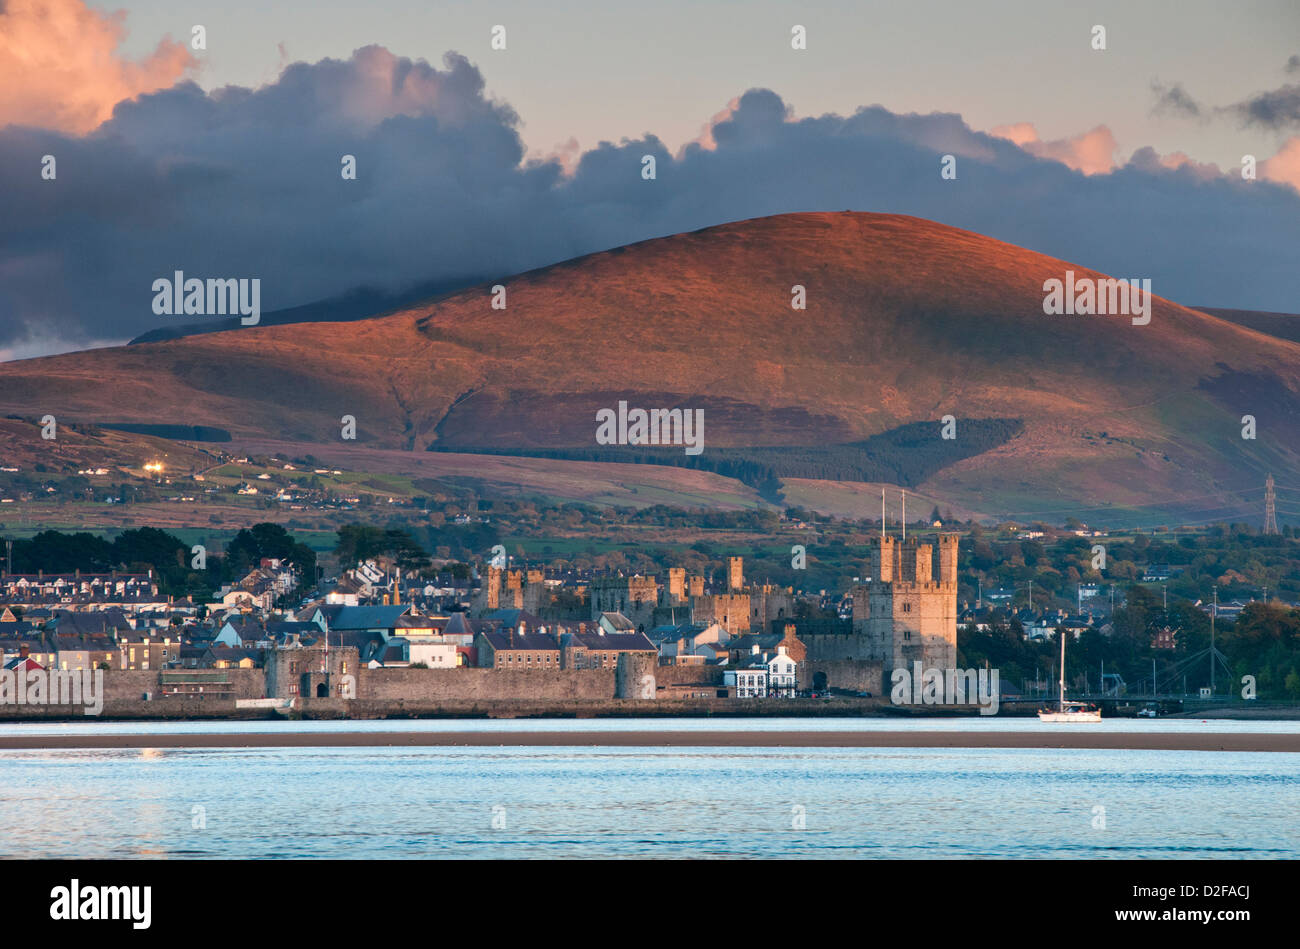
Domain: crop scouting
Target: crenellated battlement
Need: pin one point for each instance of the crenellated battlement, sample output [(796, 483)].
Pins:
[(907, 613)]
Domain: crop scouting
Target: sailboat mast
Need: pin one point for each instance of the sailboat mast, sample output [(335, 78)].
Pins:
[(1061, 633)]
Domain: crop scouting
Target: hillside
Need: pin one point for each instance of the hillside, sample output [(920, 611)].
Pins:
[(906, 321), (1281, 325)]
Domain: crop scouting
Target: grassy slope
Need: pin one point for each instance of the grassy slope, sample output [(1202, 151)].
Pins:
[(907, 320)]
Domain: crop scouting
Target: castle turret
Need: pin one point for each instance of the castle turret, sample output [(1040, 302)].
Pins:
[(948, 559), (886, 558), (492, 588), (924, 565), (677, 584), (735, 574), (907, 554)]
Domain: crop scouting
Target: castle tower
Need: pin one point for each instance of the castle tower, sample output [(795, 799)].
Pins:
[(923, 571), (735, 574), (885, 559), (696, 586), (948, 559), (535, 594), (512, 598), (676, 585), (909, 554), (492, 589), (903, 616)]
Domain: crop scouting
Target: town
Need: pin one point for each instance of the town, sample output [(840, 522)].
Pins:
[(400, 629)]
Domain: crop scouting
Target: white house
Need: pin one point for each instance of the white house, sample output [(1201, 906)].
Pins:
[(782, 675), (747, 681), (435, 655), (763, 675)]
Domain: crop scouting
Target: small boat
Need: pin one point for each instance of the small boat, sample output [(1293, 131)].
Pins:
[(1148, 712), (1069, 711)]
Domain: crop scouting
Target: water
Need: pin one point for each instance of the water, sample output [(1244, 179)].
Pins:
[(992, 723), (645, 802)]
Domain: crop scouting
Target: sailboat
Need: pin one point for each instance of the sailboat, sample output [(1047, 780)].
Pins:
[(1069, 711)]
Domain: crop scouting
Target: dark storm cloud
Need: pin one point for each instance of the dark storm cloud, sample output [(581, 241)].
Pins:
[(246, 183)]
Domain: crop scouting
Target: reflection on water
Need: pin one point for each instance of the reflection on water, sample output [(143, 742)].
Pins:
[(601, 802)]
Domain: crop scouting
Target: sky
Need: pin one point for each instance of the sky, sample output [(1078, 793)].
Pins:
[(474, 161)]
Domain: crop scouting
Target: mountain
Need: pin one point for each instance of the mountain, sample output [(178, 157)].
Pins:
[(1281, 325), (357, 304), (906, 321)]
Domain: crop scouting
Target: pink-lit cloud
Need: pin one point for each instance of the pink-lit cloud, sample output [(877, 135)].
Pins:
[(59, 66), (705, 138), (1284, 167), (1092, 152), (566, 154)]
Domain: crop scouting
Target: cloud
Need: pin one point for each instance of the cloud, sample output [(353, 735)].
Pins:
[(566, 154), (1174, 100), (705, 138), (1275, 109), (241, 182), (1272, 109), (59, 67), (1022, 133), (1284, 167), (1092, 153), (1148, 159)]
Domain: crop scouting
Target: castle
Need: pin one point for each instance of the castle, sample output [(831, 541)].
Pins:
[(511, 590), (905, 614), (739, 610)]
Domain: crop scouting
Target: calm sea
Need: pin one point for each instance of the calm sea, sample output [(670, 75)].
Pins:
[(611, 802)]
